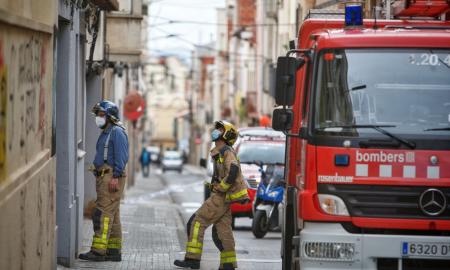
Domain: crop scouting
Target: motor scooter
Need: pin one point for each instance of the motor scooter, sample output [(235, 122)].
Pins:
[(268, 196)]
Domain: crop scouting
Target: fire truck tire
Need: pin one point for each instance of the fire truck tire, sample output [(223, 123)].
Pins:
[(260, 224), (296, 264), (288, 233)]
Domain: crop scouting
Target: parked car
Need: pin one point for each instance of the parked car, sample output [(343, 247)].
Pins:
[(172, 160), (253, 150), (260, 132), (154, 153)]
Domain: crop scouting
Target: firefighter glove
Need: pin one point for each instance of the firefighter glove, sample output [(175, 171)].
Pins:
[(208, 185)]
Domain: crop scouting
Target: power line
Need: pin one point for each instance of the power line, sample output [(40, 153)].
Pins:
[(194, 5), (154, 1), (188, 7), (213, 49), (158, 12), (171, 21), (149, 24)]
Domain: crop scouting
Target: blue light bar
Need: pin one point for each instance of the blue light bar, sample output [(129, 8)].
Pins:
[(353, 15), (341, 160)]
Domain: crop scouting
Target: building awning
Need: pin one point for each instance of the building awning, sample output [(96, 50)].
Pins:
[(108, 5)]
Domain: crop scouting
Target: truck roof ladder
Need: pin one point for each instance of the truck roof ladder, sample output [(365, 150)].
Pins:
[(417, 9)]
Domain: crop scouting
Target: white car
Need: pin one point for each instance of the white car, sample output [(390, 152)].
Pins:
[(172, 160), (154, 153)]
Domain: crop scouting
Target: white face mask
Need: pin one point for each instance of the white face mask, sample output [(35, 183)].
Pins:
[(100, 121)]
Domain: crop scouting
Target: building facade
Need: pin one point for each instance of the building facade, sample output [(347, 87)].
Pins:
[(124, 48), (27, 151), (167, 114), (54, 55), (43, 94)]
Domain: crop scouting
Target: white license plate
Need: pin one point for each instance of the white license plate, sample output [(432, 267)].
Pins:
[(421, 249)]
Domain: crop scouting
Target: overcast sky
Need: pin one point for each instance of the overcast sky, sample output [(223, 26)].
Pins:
[(161, 11)]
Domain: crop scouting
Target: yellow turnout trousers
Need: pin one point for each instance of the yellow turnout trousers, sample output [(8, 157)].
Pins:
[(215, 210), (106, 216)]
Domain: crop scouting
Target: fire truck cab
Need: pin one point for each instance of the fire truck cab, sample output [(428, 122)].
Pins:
[(366, 107)]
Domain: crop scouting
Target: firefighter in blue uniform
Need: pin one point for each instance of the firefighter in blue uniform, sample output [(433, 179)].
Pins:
[(109, 169)]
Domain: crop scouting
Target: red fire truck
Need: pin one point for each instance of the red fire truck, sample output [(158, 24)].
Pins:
[(366, 107)]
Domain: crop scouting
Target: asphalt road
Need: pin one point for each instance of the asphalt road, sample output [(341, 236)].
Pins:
[(186, 190)]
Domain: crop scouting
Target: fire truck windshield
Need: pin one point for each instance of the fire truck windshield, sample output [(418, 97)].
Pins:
[(406, 90)]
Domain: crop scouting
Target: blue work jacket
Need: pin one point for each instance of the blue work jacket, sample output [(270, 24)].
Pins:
[(117, 150)]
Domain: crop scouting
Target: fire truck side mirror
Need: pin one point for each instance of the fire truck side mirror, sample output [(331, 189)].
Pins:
[(282, 119), (286, 79)]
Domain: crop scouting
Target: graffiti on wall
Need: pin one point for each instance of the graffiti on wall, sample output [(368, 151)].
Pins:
[(29, 228), (27, 232), (23, 95)]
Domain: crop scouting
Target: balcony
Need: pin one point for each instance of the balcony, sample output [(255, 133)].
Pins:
[(123, 34), (106, 4)]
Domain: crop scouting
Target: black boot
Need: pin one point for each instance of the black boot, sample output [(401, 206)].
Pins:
[(227, 266), (188, 263), (92, 256), (113, 255)]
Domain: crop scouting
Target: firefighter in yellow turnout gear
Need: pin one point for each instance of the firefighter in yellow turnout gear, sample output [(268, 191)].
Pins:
[(227, 186)]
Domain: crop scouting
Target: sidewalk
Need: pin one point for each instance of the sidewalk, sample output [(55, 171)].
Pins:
[(152, 229), (194, 169)]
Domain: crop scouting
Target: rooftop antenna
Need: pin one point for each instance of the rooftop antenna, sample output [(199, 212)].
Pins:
[(375, 11)]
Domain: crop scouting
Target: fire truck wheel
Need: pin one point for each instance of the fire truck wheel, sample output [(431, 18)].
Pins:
[(260, 224)]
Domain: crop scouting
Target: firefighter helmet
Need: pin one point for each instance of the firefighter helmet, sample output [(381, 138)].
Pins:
[(230, 133), (109, 108)]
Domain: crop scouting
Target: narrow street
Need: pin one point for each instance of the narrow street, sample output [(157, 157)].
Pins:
[(154, 214)]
